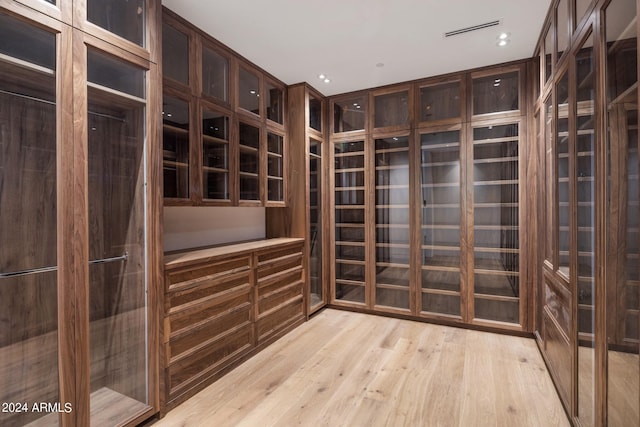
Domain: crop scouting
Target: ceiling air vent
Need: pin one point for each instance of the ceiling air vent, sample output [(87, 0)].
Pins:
[(473, 28)]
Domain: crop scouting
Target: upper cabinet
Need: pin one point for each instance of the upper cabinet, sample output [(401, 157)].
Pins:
[(496, 92), (224, 142)]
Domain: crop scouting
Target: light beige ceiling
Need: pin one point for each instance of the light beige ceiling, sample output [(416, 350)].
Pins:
[(295, 40)]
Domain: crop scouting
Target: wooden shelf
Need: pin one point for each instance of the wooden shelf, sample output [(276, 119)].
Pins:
[(175, 129), (212, 169), (213, 140), (496, 160), (248, 149), (174, 163)]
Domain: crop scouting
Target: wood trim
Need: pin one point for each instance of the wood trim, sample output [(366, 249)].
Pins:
[(81, 230)]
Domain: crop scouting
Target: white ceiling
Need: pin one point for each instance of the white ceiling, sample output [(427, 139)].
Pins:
[(295, 40)]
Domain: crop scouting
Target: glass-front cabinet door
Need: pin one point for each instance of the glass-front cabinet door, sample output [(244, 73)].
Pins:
[(117, 192), (315, 225), (29, 213)]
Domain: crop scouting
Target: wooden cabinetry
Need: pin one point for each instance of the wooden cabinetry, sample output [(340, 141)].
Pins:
[(224, 141), (428, 214), (588, 112), (305, 169), (79, 213), (224, 304)]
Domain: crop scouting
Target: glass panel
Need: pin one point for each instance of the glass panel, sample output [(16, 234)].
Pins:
[(315, 223), (175, 54), (215, 155), (275, 167), (117, 287), (440, 102), (392, 222), (28, 225), (124, 18), (495, 93), (175, 147), (27, 43), (496, 230), (581, 9), (106, 70), (440, 247), (215, 74), (549, 165), (586, 191), (315, 113), (623, 283), (563, 27), (249, 162), (349, 115), (561, 222), (275, 103), (392, 109), (349, 221), (548, 53), (248, 91)]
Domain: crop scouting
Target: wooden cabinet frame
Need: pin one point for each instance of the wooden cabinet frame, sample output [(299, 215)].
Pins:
[(198, 40)]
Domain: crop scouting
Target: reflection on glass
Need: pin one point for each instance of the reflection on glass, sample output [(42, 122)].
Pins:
[(248, 91), (584, 175), (549, 164), (315, 113), (440, 102), (315, 223), (123, 18), (623, 275), (249, 162), (392, 222), (175, 147), (562, 183), (548, 53), (175, 54), (109, 71), (349, 221), (275, 100), (391, 109), (495, 93), (349, 114), (215, 74), (28, 223), (563, 27), (215, 155), (440, 241), (117, 288), (496, 223), (275, 165)]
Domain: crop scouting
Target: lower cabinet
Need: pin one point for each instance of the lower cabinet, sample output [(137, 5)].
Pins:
[(224, 304)]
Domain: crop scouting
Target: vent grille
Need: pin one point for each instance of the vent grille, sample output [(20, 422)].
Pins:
[(473, 28)]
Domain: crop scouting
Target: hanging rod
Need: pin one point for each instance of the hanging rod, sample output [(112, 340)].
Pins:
[(48, 269), (45, 101)]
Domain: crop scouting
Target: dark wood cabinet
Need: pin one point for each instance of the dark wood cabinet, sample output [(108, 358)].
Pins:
[(224, 304), (237, 108)]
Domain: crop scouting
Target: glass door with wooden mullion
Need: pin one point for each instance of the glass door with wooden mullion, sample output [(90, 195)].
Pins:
[(215, 156), (349, 220), (496, 228), (316, 271), (29, 286), (584, 176), (118, 304), (392, 222), (623, 256), (249, 166), (440, 191), (175, 148), (275, 167), (562, 195)]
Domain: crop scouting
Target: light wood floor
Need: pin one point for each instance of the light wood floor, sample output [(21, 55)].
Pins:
[(351, 369)]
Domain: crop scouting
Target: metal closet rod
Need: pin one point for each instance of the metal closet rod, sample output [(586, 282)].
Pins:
[(122, 258), (45, 101)]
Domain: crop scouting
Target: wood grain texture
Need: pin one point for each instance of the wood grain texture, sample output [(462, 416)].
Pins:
[(224, 304), (345, 368)]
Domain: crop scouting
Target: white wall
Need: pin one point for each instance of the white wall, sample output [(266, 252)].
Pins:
[(190, 227)]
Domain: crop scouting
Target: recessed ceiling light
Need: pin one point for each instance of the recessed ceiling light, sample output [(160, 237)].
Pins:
[(321, 76), (252, 92), (169, 114), (503, 36), (503, 43), (327, 80)]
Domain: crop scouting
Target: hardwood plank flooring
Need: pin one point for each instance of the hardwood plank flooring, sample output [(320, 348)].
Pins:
[(353, 369)]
